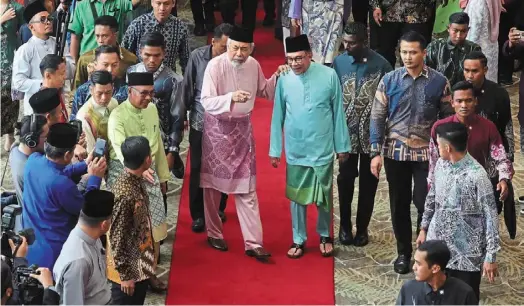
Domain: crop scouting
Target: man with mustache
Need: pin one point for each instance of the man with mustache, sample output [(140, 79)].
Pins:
[(359, 70), (308, 108), (231, 83), (27, 77), (139, 117)]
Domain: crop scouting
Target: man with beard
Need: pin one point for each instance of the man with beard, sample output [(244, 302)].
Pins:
[(308, 107), (408, 102), (139, 117), (27, 77), (167, 99), (446, 55), (193, 79), (231, 83), (359, 70)]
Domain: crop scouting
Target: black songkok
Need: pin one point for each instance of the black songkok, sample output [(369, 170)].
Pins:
[(297, 44), (62, 135), (33, 8), (241, 35), (45, 100), (98, 204), (140, 79)]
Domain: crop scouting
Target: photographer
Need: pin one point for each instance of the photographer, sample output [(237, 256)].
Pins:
[(11, 292)]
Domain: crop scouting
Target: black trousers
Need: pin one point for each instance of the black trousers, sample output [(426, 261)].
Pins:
[(389, 34), (269, 8), (507, 21), (203, 13), (360, 9), (196, 194), (249, 12), (348, 172), (118, 297), (471, 278), (400, 175)]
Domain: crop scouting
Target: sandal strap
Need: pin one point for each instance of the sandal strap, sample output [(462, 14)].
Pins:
[(326, 240), (297, 246)]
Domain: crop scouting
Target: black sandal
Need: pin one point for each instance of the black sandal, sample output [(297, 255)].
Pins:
[(297, 247), (323, 241)]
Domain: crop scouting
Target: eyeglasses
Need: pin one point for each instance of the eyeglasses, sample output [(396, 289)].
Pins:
[(297, 59), (44, 19), (144, 93)]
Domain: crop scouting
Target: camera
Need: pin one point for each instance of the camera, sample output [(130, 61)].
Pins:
[(30, 290), (7, 234)]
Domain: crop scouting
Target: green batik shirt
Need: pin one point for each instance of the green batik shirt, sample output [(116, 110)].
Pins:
[(83, 23)]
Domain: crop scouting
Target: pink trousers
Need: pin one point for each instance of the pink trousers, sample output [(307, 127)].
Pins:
[(248, 216)]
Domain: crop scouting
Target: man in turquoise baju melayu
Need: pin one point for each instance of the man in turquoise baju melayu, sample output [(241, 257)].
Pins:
[(308, 107)]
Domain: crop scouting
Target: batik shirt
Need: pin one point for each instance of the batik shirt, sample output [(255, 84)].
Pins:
[(448, 59), (168, 101), (175, 33), (404, 111), (408, 11), (82, 94), (484, 144), (359, 81), (460, 209), (130, 250), (495, 105)]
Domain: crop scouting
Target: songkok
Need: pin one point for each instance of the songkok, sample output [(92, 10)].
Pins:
[(140, 79), (45, 100), (34, 7), (62, 136), (98, 204), (298, 43), (241, 35)]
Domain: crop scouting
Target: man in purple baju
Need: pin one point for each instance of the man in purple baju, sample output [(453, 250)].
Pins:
[(231, 83)]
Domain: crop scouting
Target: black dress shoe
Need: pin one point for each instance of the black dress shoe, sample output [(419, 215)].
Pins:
[(199, 30), (215, 243), (345, 237), (198, 225), (402, 263), (259, 253), (268, 21), (361, 239)]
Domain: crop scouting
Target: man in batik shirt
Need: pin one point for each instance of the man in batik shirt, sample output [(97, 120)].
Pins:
[(172, 28), (130, 249), (460, 209), (409, 100), (446, 55), (484, 142), (168, 97), (359, 70)]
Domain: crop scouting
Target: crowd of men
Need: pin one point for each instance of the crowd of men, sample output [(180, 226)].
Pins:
[(92, 179)]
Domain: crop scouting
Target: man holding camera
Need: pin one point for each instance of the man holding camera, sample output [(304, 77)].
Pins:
[(11, 294), (80, 270), (51, 199)]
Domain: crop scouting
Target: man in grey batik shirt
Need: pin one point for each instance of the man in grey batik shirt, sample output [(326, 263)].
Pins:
[(193, 79)]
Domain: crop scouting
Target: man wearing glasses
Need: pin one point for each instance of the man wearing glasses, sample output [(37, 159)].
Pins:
[(27, 77), (139, 117)]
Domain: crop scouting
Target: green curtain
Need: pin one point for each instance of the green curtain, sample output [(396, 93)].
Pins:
[(442, 16)]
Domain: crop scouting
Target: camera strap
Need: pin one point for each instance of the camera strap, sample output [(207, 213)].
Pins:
[(93, 9)]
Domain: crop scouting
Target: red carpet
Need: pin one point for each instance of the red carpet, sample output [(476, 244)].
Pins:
[(201, 275)]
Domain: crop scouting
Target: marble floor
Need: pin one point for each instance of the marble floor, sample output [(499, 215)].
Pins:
[(365, 275)]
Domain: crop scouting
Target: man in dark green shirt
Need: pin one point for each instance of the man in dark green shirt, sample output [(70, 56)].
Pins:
[(446, 55)]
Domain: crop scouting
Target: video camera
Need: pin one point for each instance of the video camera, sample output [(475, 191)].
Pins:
[(31, 292)]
